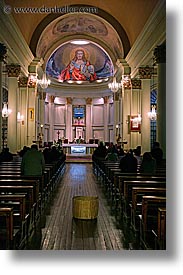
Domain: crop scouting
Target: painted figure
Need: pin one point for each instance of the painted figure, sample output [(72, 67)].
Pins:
[(78, 69)]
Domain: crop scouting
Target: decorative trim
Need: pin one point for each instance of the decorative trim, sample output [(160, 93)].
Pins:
[(89, 101), (146, 72), (22, 82), (13, 70), (136, 84), (69, 100), (160, 54)]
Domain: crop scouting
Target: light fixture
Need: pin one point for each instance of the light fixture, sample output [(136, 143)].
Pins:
[(114, 86), (79, 82), (5, 111), (152, 115), (80, 42), (20, 117), (44, 82)]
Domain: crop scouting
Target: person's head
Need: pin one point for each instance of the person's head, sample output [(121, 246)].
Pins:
[(34, 146), (156, 144), (80, 55), (101, 143), (147, 156)]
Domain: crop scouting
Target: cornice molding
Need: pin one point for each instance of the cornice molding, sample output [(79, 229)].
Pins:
[(153, 34), (17, 52)]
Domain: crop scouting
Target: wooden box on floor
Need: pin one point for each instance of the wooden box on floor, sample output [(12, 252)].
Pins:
[(85, 207)]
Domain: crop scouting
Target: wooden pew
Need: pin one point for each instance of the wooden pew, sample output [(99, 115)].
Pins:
[(18, 203), (118, 188), (29, 192), (136, 204), (149, 219), (6, 228), (161, 233), (127, 193)]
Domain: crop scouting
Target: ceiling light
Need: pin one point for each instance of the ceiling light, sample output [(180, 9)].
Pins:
[(80, 42)]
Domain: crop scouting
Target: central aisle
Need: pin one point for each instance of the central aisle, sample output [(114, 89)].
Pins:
[(62, 232)]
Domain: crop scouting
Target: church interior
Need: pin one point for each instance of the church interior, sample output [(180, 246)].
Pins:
[(74, 76)]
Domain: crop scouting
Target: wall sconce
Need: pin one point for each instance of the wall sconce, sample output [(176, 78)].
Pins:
[(20, 117), (5, 111), (152, 115), (117, 127)]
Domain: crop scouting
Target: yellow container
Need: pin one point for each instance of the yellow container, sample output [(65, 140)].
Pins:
[(85, 207)]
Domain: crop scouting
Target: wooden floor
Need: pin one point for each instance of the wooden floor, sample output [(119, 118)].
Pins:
[(63, 232)]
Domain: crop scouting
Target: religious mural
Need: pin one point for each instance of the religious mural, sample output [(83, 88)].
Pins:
[(83, 63), (74, 24)]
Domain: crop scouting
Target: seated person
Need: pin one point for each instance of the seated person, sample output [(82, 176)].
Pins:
[(6, 155), (33, 163), (112, 154), (148, 164), (128, 163), (100, 152)]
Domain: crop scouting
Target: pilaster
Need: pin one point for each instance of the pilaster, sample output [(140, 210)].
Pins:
[(160, 59)]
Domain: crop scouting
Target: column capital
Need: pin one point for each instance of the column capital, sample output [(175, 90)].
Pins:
[(69, 100), (106, 98), (13, 70), (51, 98), (22, 82), (136, 83), (145, 72), (160, 54), (89, 101)]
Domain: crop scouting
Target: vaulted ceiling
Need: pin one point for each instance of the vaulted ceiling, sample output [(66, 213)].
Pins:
[(131, 15), (112, 26)]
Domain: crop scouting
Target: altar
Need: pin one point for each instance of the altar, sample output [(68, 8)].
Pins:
[(79, 149)]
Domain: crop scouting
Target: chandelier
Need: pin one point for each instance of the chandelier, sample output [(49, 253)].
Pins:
[(152, 115), (5, 111), (114, 86), (44, 82)]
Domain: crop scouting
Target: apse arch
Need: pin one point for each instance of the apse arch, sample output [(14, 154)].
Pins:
[(96, 58), (101, 14)]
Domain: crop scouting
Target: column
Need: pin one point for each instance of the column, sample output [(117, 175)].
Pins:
[(13, 73), (116, 116), (106, 118), (126, 111), (51, 117), (42, 114), (145, 74), (68, 118), (3, 52), (88, 119), (160, 59), (22, 108), (136, 111), (125, 102), (31, 116)]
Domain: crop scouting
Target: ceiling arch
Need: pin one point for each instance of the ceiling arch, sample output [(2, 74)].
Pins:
[(102, 18)]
